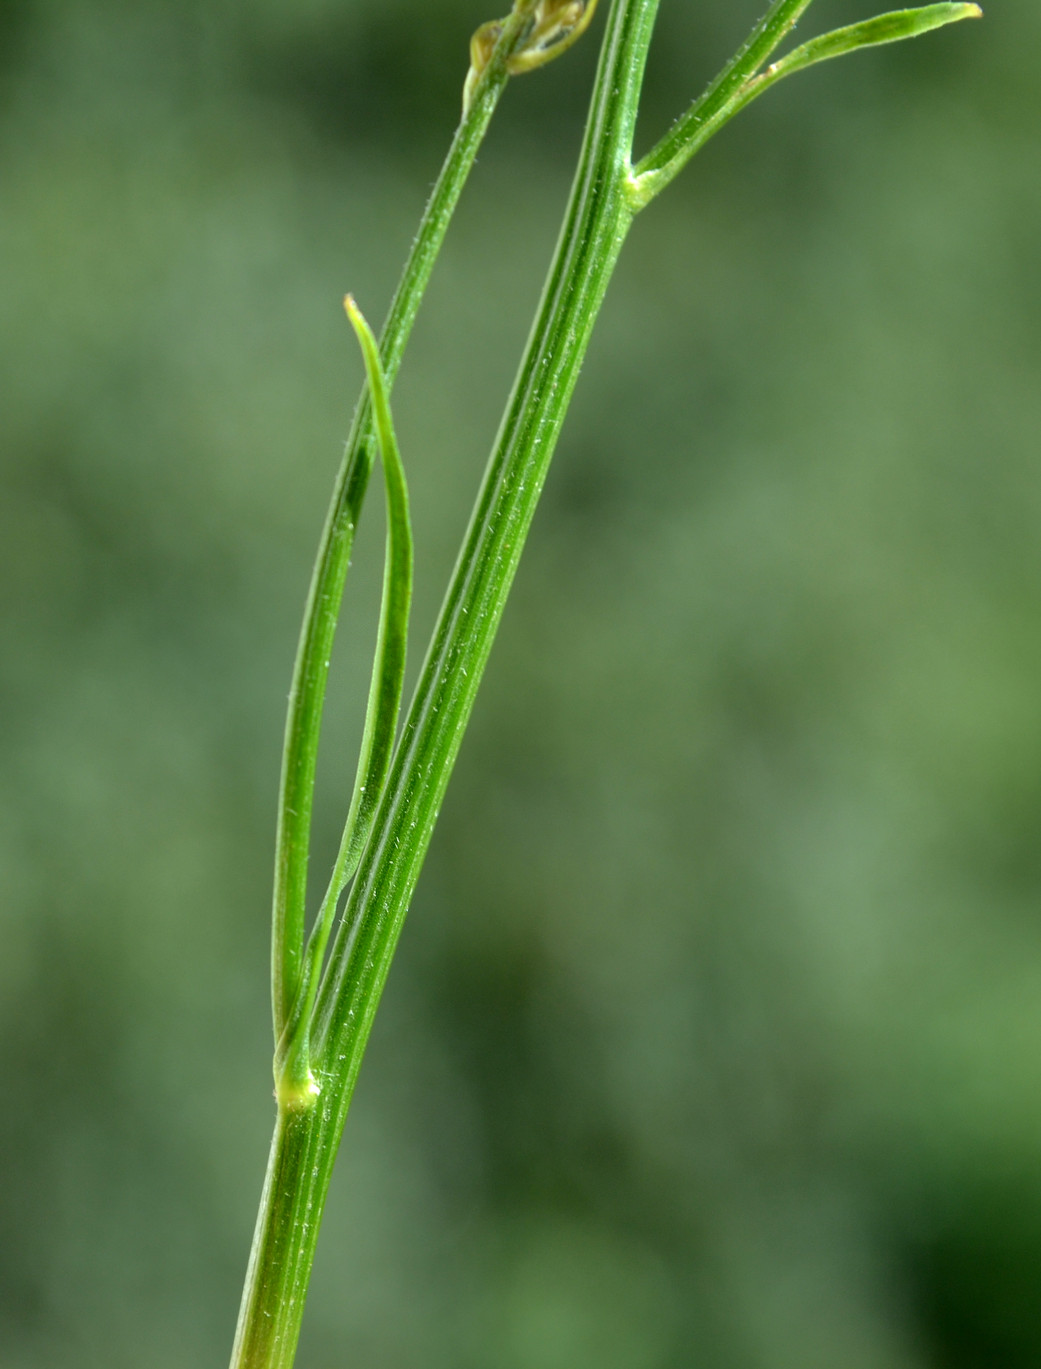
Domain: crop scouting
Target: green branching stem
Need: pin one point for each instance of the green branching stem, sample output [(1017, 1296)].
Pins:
[(606, 195), (742, 80), (716, 106)]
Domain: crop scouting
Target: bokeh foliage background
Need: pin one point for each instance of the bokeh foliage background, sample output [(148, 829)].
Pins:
[(715, 1035)]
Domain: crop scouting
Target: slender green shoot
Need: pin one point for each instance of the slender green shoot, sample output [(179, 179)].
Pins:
[(393, 811), (893, 27), (742, 81), (296, 1085)]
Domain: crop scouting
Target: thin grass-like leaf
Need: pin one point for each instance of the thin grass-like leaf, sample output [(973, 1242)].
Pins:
[(893, 27), (734, 88), (295, 1082), (388, 673)]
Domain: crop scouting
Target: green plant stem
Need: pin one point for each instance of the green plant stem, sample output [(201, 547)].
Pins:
[(311, 669), (305, 1142), (742, 81), (605, 197)]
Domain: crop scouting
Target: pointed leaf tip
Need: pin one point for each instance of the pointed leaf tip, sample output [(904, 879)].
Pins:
[(883, 28)]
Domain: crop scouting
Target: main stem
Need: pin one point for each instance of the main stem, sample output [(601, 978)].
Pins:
[(305, 1142)]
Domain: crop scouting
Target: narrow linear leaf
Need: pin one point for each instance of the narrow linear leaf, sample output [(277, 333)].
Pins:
[(893, 27), (388, 671), (296, 1085), (727, 97)]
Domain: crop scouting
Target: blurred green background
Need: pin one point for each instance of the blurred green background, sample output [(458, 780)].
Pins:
[(715, 1034)]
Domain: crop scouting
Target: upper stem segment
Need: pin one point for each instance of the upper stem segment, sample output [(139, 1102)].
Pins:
[(720, 102)]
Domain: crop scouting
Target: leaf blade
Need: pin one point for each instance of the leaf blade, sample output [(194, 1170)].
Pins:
[(893, 27), (295, 1084)]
